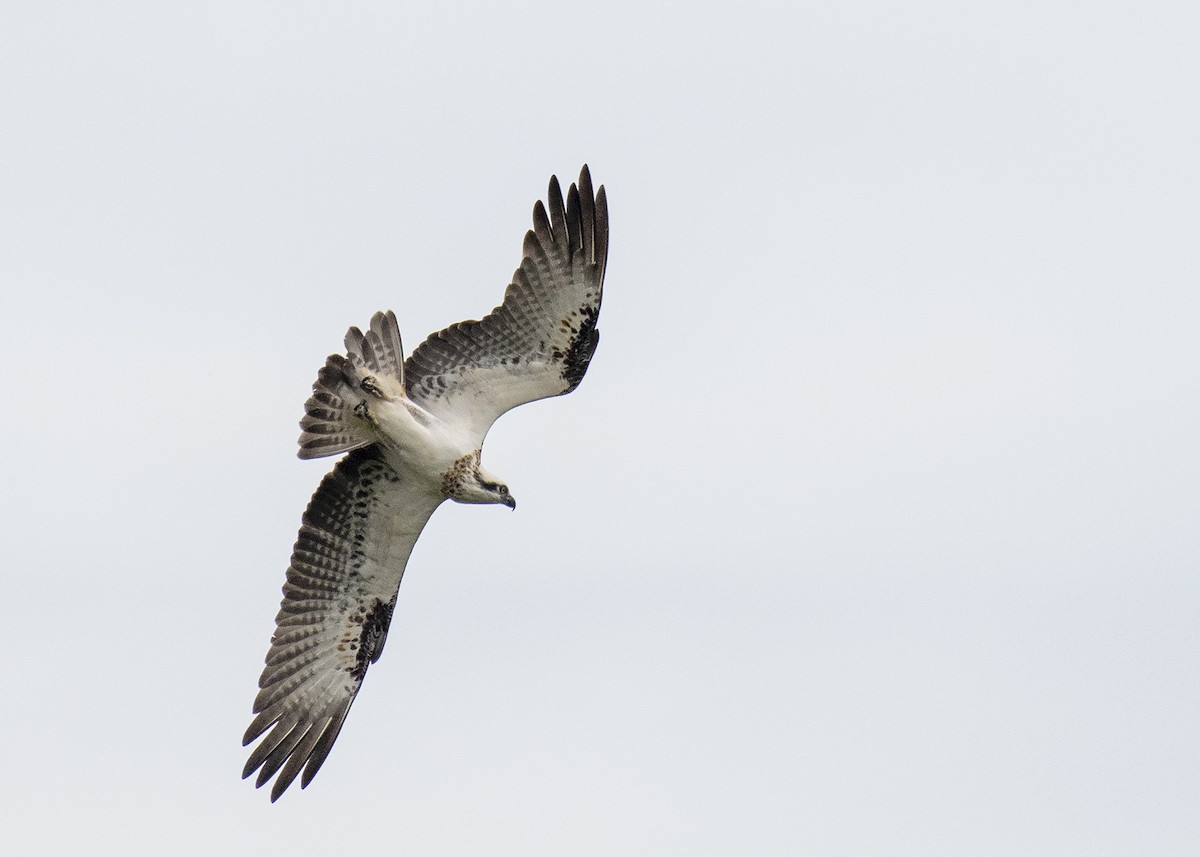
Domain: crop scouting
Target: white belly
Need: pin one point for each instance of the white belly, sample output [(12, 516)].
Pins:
[(415, 442)]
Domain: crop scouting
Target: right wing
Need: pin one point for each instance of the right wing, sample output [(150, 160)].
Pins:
[(355, 539), (539, 341)]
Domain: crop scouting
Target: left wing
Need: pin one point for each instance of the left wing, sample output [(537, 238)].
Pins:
[(539, 341), (355, 539)]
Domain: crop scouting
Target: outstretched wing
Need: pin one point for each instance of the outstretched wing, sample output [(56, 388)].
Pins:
[(355, 539), (539, 341)]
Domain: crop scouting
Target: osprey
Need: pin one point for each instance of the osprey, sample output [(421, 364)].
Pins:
[(413, 429)]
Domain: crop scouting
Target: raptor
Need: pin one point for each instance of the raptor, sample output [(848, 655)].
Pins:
[(413, 430)]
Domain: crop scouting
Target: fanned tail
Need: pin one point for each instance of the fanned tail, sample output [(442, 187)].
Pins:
[(373, 366), (329, 425), (379, 350)]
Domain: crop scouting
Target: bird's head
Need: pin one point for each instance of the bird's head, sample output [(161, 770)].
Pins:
[(477, 485), (492, 490)]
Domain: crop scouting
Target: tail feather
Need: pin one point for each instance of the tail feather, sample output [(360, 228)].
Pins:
[(329, 425), (379, 349), (374, 364)]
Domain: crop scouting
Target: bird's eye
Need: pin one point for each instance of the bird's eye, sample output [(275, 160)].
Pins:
[(503, 490)]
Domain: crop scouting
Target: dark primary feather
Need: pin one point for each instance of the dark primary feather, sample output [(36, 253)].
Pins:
[(539, 341), (341, 586)]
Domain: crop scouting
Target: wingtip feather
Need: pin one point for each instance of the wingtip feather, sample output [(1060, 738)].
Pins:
[(601, 229)]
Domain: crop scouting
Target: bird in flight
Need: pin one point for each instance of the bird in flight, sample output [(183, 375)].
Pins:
[(413, 429)]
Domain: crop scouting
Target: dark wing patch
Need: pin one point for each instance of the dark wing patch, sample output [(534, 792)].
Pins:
[(346, 567), (583, 345), (539, 341), (374, 635)]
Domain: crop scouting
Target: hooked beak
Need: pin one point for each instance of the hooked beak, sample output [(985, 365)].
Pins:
[(510, 502)]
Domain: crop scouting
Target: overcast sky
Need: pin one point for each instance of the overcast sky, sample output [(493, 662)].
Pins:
[(873, 529)]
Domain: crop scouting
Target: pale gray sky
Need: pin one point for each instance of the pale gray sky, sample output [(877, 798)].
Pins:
[(872, 530)]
